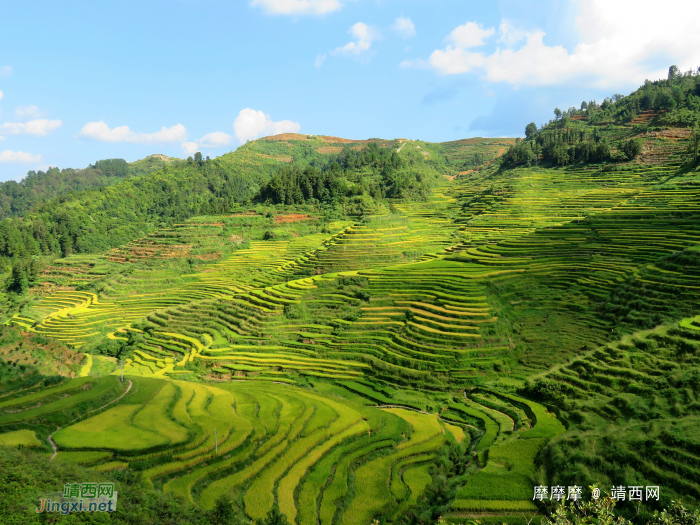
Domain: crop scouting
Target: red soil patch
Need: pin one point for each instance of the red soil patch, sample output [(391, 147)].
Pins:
[(292, 217), (338, 140), (335, 149), (329, 150), (283, 158), (286, 136), (645, 117), (207, 256), (673, 134)]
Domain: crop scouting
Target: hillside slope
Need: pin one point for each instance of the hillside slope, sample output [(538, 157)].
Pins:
[(526, 322), (19, 198)]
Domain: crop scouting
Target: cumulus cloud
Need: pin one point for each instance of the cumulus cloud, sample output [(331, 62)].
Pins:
[(10, 156), (251, 124), (469, 35), (5, 71), (608, 54), (298, 7), (363, 36), (215, 140), (38, 128), (452, 61), (101, 132), (404, 27), (189, 148)]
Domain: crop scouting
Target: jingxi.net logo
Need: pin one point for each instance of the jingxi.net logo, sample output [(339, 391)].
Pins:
[(80, 497)]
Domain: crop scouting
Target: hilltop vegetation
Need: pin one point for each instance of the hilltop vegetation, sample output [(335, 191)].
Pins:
[(356, 180), (19, 198), (612, 131), (390, 330)]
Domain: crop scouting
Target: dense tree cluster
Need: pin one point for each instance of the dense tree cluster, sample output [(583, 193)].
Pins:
[(580, 135), (563, 147), (367, 175), (17, 199), (675, 99)]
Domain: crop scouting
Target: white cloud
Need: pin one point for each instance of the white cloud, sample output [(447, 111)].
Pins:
[(215, 140), (469, 35), (189, 148), (251, 124), (18, 156), (320, 59), (298, 7), (363, 36), (1, 95), (101, 132), (28, 112), (5, 71), (608, 55), (404, 27), (452, 61), (38, 128)]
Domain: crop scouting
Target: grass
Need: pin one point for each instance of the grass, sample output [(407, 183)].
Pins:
[(24, 438)]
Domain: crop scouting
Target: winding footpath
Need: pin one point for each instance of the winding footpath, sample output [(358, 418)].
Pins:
[(50, 438)]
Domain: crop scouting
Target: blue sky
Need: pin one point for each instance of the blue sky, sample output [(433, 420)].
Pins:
[(83, 81)]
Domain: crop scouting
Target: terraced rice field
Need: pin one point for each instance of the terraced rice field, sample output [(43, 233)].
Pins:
[(262, 443), (325, 369)]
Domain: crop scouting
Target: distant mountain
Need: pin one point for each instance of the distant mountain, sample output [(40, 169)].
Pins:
[(112, 202), (19, 198)]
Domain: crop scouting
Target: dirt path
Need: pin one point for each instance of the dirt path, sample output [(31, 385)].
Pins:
[(50, 438)]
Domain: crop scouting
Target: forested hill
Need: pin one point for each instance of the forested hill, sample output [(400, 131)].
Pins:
[(19, 198), (648, 123), (101, 218)]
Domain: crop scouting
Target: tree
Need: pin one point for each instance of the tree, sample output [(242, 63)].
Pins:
[(598, 511), (530, 130), (557, 113), (560, 155), (274, 517), (19, 281), (695, 142), (584, 105), (631, 148), (673, 72), (222, 513), (677, 514)]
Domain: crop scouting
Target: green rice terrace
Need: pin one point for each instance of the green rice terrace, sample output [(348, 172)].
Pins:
[(412, 349)]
